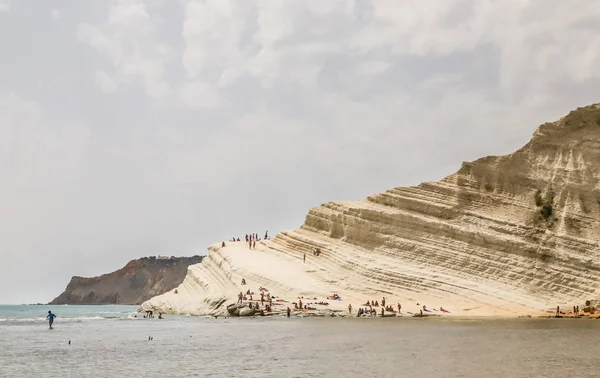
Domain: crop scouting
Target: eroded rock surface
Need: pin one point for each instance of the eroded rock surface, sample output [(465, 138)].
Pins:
[(506, 234)]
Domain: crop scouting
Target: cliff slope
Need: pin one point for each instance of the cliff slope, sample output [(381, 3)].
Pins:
[(503, 235), (138, 281)]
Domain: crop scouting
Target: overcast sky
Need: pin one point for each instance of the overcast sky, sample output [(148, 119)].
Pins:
[(131, 128)]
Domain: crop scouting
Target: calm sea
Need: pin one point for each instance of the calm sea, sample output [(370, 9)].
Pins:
[(108, 341)]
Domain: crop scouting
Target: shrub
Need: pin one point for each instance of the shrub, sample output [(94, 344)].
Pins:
[(546, 211)]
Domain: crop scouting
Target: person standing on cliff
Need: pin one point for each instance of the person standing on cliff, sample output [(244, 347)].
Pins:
[(304, 258), (350, 308), (50, 318), (266, 235), (288, 312)]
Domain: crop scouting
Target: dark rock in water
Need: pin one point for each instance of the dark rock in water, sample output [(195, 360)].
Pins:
[(240, 309), (135, 283)]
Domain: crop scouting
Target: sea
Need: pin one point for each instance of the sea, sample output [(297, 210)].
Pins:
[(116, 341)]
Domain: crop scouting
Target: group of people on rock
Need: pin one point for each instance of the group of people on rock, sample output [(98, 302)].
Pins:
[(363, 311), (263, 298), (251, 239), (303, 306), (375, 303), (257, 306), (369, 310)]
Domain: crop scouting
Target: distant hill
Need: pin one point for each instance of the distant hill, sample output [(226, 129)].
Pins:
[(136, 282)]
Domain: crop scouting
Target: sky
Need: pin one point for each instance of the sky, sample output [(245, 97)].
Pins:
[(133, 128)]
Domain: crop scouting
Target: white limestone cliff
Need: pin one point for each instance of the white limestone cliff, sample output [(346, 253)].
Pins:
[(503, 235)]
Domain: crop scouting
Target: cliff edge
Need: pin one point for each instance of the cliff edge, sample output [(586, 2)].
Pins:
[(136, 282), (504, 235)]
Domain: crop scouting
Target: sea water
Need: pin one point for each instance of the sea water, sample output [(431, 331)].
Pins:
[(112, 341)]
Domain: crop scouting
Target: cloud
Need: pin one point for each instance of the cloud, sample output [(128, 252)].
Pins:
[(4, 5), (232, 116), (127, 39), (56, 14), (105, 82), (197, 94)]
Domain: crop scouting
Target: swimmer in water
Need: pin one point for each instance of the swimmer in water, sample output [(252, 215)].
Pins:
[(50, 317)]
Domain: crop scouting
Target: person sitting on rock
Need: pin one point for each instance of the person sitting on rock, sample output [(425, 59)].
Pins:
[(223, 245), (176, 292), (376, 304), (243, 281)]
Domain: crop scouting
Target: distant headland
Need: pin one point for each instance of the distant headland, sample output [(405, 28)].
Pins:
[(133, 284)]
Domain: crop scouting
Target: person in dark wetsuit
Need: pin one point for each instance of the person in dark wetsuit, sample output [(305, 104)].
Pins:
[(50, 318), (288, 312)]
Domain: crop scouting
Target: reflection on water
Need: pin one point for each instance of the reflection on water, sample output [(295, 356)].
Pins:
[(302, 348)]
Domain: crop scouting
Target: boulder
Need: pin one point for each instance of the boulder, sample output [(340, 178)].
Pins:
[(247, 311), (240, 309)]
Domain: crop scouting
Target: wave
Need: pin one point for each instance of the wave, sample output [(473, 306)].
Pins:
[(61, 319)]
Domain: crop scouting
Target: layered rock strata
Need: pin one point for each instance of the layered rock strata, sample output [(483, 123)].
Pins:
[(503, 235), (136, 282)]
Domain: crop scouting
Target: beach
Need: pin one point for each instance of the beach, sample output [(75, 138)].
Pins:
[(277, 346), (293, 275)]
